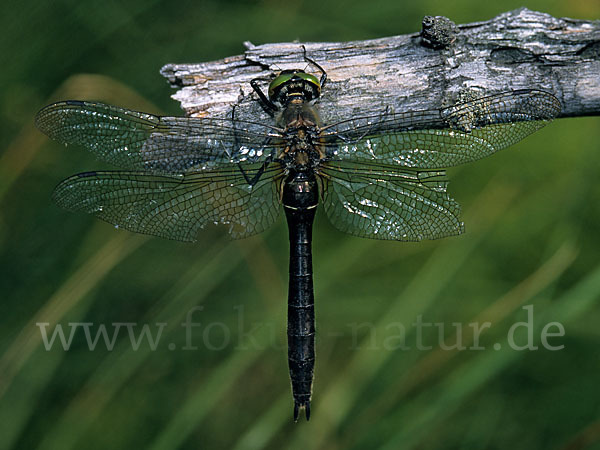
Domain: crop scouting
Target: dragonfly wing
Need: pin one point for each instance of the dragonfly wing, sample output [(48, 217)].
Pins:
[(381, 202), (162, 145), (177, 206), (451, 136)]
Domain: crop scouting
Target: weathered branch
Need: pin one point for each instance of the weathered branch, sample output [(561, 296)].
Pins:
[(516, 50)]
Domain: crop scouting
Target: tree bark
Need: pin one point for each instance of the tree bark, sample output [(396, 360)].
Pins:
[(520, 49)]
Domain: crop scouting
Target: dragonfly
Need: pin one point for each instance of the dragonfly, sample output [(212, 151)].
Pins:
[(379, 176)]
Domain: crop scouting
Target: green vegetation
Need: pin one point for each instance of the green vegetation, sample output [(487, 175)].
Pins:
[(532, 214)]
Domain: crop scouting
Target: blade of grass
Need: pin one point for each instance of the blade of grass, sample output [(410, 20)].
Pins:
[(436, 360), (207, 395), (70, 295), (444, 398), (118, 366)]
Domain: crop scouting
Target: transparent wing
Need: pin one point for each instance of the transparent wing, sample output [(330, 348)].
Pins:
[(448, 137), (382, 202), (162, 145), (175, 207)]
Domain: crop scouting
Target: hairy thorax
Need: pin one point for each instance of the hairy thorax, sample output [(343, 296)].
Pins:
[(303, 148)]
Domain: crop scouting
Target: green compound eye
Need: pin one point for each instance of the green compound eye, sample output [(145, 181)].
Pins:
[(286, 76), (279, 81), (310, 78)]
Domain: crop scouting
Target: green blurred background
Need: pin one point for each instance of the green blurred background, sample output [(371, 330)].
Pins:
[(531, 213)]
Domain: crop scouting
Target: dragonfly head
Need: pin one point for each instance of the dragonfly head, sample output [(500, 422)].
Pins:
[(291, 84)]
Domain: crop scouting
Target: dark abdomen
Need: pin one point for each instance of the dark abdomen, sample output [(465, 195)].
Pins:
[(300, 198)]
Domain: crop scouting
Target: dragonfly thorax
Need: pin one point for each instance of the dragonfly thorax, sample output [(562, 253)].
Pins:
[(302, 135)]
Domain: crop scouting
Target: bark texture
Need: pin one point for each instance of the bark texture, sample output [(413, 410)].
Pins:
[(520, 49)]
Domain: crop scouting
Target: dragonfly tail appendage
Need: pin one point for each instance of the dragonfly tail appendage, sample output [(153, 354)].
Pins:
[(298, 405)]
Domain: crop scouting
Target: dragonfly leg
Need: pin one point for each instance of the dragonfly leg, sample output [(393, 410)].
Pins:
[(317, 65), (236, 145), (259, 173), (267, 104)]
